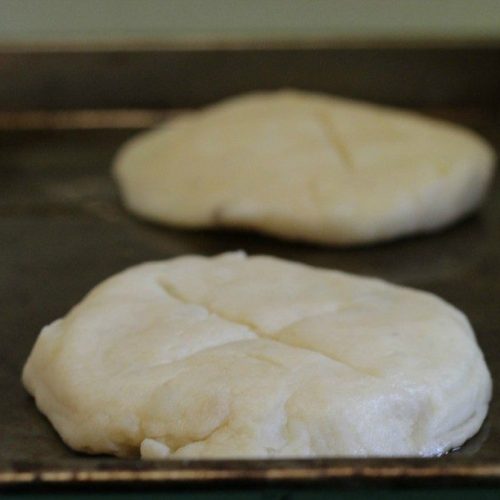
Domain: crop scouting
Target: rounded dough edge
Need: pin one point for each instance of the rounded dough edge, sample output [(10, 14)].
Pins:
[(340, 172), (273, 383)]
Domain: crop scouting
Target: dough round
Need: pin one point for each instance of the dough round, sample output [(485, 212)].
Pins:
[(305, 166), (236, 356)]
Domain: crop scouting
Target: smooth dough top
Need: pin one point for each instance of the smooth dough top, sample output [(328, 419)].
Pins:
[(236, 356), (305, 166)]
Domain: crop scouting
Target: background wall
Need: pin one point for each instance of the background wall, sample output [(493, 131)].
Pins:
[(156, 20)]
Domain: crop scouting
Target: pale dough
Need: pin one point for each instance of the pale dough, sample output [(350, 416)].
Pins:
[(236, 356), (306, 166)]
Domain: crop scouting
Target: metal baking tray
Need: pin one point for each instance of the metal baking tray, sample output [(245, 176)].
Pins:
[(64, 112)]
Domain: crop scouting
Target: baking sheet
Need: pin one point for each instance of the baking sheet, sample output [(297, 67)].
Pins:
[(63, 230)]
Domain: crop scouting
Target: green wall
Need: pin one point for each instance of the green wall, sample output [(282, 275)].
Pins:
[(157, 20)]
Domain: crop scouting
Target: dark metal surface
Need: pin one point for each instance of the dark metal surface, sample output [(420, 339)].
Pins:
[(62, 230), (186, 76)]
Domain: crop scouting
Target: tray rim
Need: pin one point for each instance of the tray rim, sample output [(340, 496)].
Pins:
[(302, 471), (209, 43)]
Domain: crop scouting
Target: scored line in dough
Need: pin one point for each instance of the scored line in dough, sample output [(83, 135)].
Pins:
[(172, 292)]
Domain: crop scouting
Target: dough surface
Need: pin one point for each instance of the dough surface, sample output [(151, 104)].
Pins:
[(305, 166), (236, 356)]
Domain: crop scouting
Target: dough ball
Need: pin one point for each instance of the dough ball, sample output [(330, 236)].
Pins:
[(305, 166), (255, 357)]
